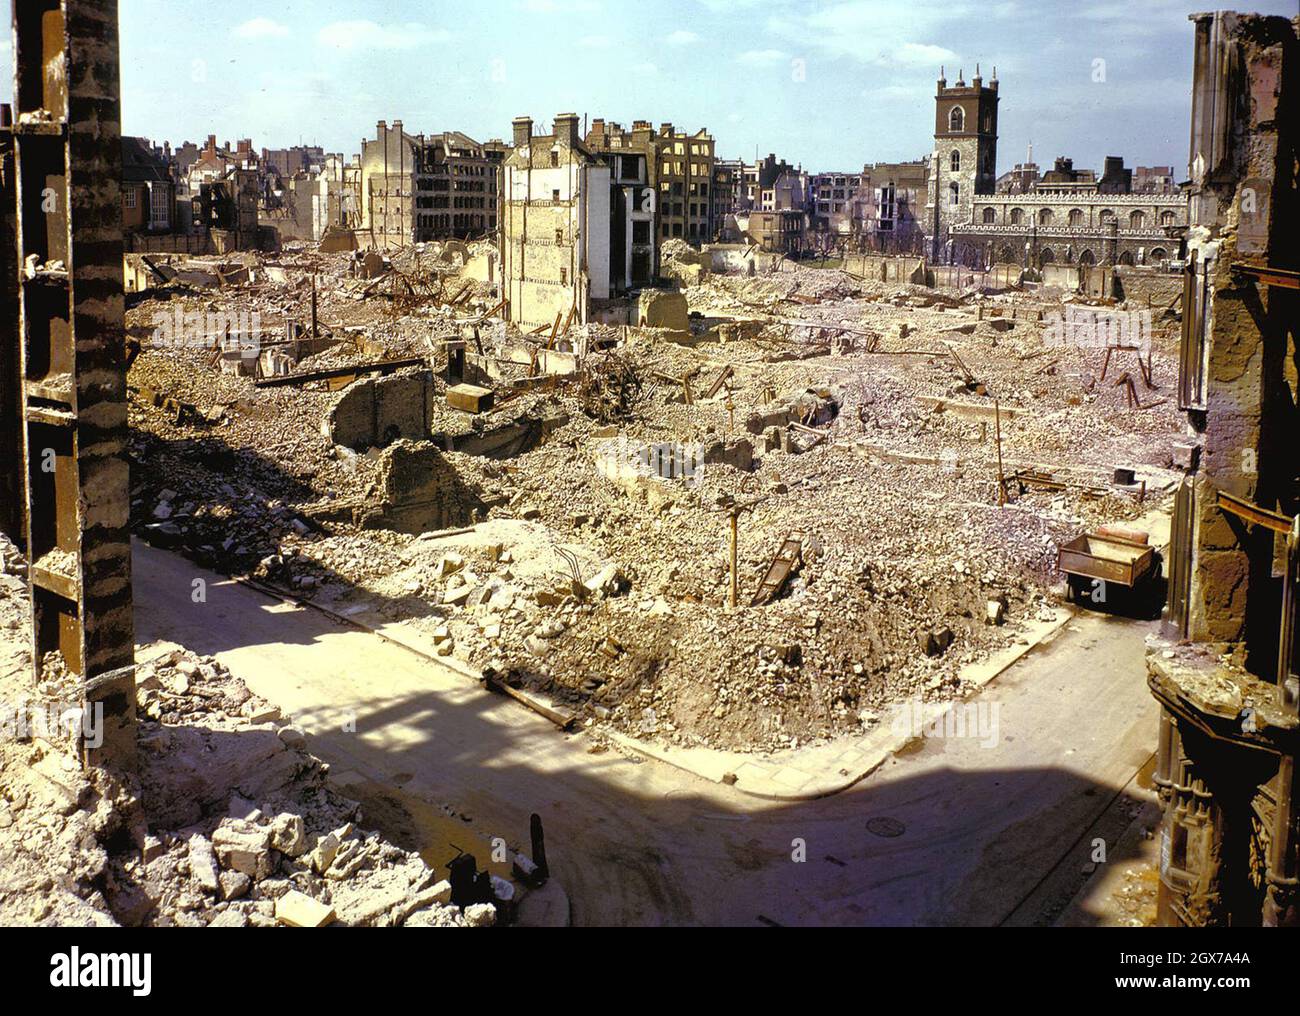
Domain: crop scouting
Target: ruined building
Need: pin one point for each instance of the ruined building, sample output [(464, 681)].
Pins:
[(555, 225), (1226, 674), (12, 517), (456, 188), (897, 197), (839, 203), (414, 188), (685, 177), (681, 173)]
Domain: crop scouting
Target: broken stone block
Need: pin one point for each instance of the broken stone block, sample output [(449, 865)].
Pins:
[(298, 910), (327, 848), (263, 713), (229, 919), (203, 863), (242, 846), (440, 893), (469, 398), (449, 564), (995, 612), (502, 889), (934, 643), (457, 596), (289, 835), (234, 884), (292, 737), (153, 849), (480, 915)]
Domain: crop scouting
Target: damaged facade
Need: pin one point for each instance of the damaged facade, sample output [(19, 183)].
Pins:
[(555, 230), (1227, 677), (415, 188)]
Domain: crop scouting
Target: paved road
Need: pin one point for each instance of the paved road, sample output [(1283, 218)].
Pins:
[(955, 831)]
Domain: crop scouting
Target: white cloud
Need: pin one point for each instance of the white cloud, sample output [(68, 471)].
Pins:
[(762, 57), (867, 31), (595, 42), (681, 37), (351, 35), (914, 53), (561, 6), (645, 69), (260, 28)]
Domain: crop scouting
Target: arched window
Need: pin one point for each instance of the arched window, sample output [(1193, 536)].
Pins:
[(1046, 257), (1017, 216), (1007, 255), (1076, 216), (954, 194), (954, 161), (956, 119), (1045, 217), (990, 216), (1106, 217), (1158, 254), (1137, 220), (1126, 258), (1168, 218), (1086, 258)]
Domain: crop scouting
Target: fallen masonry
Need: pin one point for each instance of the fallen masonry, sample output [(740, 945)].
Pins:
[(230, 823), (892, 424)]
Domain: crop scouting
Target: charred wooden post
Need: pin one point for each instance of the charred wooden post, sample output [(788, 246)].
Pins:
[(68, 165)]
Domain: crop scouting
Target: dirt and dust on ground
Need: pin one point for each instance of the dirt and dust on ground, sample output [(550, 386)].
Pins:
[(574, 538), (229, 821)]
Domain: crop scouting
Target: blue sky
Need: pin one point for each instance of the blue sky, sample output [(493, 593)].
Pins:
[(829, 83)]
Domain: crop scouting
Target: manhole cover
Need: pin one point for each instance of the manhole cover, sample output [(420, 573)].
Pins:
[(886, 827)]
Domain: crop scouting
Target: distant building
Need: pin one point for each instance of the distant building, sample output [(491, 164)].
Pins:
[(894, 217), (728, 179), (213, 162), (776, 232), (839, 203), (387, 185), (681, 168), (457, 187), (288, 162), (685, 179), (1154, 180), (963, 164), (555, 226), (1068, 215), (412, 188), (148, 190)]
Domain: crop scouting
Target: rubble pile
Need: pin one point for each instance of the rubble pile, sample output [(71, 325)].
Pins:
[(861, 413), (231, 822)]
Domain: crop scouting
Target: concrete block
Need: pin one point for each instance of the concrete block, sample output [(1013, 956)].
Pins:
[(298, 910), (469, 398)]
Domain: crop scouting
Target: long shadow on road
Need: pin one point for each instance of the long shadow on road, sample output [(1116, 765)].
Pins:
[(951, 834)]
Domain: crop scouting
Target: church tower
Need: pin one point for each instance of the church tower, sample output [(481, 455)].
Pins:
[(964, 162)]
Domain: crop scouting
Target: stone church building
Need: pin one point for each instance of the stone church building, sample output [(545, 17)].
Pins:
[(1066, 217)]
